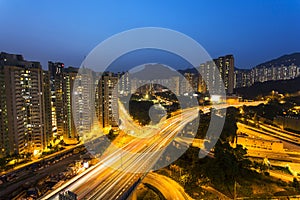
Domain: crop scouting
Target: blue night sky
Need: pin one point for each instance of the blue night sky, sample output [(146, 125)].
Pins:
[(253, 31)]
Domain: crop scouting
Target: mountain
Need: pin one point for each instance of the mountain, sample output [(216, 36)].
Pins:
[(188, 70), (154, 71), (283, 60)]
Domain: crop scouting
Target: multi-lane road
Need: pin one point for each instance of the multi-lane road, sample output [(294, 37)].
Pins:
[(163, 184), (119, 168), (288, 156)]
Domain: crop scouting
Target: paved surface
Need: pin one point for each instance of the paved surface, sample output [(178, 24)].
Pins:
[(169, 188), (214, 191), (136, 157), (32, 177), (282, 176), (19, 166), (287, 158)]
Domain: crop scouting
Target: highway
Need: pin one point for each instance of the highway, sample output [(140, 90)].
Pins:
[(291, 147), (289, 156), (119, 168), (163, 184), (273, 131)]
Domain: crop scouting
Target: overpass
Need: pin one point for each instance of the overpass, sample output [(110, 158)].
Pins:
[(119, 169)]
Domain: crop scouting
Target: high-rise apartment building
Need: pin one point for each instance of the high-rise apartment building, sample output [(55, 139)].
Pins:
[(108, 113), (84, 102), (247, 77), (214, 74), (242, 78), (211, 78), (6, 139), (124, 83), (201, 87), (273, 73), (225, 65), (188, 83), (22, 121), (62, 83), (57, 105), (69, 75), (47, 104), (175, 83)]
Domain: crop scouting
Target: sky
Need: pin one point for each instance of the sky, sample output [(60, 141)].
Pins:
[(253, 31)]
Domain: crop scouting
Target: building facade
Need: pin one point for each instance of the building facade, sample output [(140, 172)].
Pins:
[(61, 87), (246, 78), (23, 117), (108, 113), (124, 83), (69, 75), (83, 101), (225, 64), (210, 78), (57, 105)]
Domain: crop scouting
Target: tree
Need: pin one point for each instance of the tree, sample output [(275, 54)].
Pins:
[(228, 161), (139, 110), (229, 130), (229, 164), (2, 162), (295, 183)]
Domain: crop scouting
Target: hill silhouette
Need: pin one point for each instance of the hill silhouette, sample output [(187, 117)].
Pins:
[(265, 88)]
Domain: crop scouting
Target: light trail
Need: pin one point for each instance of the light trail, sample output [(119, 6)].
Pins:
[(110, 178)]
